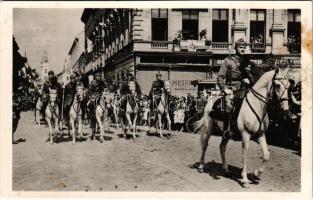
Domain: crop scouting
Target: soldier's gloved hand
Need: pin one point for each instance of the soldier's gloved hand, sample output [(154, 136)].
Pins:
[(246, 81)]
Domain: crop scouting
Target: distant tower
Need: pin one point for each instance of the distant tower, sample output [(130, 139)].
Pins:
[(44, 66)]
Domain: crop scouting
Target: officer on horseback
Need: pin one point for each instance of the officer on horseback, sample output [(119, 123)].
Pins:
[(124, 90), (69, 93), (51, 83), (156, 89), (238, 73)]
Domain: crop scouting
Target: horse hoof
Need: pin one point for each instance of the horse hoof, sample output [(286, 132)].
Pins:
[(245, 185), (200, 169), (256, 175)]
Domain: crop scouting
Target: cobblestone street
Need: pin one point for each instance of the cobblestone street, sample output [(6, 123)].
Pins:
[(148, 164)]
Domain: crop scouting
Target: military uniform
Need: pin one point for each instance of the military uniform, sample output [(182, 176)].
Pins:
[(156, 88), (241, 74), (51, 84), (124, 90), (69, 93)]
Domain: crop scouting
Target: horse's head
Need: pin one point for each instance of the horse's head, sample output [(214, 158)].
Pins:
[(80, 93), (52, 96), (167, 86), (132, 87), (280, 87)]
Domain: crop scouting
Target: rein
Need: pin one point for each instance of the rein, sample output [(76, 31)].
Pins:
[(265, 100), (77, 110)]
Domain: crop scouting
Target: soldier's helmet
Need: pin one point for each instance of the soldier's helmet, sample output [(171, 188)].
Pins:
[(240, 42), (50, 72)]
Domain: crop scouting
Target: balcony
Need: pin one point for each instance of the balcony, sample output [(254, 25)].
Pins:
[(221, 47), (153, 46)]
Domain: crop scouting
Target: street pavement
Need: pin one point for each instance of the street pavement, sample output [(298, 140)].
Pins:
[(149, 163)]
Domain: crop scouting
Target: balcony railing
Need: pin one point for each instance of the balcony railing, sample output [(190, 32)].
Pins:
[(221, 47), (159, 45)]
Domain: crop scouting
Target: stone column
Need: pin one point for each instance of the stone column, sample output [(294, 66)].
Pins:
[(240, 27), (174, 23), (277, 30)]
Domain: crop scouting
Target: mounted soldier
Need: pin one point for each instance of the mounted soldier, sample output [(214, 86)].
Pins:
[(51, 83), (156, 90), (124, 90), (69, 93), (96, 87), (237, 73)]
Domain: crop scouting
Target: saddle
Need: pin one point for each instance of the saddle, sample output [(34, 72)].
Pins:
[(218, 112)]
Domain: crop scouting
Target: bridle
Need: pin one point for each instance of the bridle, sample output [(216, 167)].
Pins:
[(266, 100)]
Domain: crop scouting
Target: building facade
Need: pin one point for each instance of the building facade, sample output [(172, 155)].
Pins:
[(184, 44)]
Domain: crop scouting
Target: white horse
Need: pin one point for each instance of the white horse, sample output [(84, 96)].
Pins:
[(102, 115), (252, 120), (162, 109), (37, 111), (131, 109), (75, 114), (52, 114)]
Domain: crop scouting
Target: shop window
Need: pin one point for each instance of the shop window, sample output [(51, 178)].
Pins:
[(220, 25), (190, 24), (159, 23), (294, 31), (257, 30)]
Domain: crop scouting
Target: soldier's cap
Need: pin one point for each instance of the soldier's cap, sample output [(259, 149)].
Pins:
[(129, 74), (51, 72), (158, 74), (240, 42)]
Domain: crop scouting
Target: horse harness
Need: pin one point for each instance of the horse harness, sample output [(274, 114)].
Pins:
[(265, 100)]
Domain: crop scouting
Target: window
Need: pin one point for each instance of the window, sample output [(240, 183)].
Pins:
[(159, 22), (220, 25), (190, 24), (257, 30), (294, 30)]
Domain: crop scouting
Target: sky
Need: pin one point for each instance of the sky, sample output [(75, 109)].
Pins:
[(36, 30)]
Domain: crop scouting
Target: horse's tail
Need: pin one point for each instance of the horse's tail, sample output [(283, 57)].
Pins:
[(201, 126)]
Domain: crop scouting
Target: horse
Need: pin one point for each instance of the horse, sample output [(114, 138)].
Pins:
[(252, 121), (102, 115), (75, 114), (37, 110), (131, 110), (162, 109), (52, 114)]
